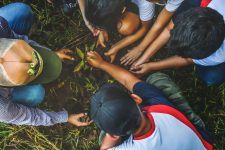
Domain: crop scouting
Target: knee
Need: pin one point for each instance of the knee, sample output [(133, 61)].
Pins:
[(128, 24), (212, 78), (36, 95), (24, 10)]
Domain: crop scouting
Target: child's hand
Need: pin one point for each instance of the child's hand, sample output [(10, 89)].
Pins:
[(102, 38), (130, 57), (94, 59), (65, 54), (112, 54), (75, 119), (94, 31), (141, 70)]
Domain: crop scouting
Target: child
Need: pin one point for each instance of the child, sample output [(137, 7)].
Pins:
[(156, 124), (197, 37), (100, 16), (161, 22)]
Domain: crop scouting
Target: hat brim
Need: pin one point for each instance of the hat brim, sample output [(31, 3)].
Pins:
[(52, 66)]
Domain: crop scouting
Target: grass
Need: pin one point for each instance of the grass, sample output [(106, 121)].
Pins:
[(72, 90)]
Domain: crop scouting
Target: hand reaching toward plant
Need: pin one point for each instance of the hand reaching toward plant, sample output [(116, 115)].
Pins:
[(102, 38), (75, 119), (112, 54), (94, 59), (131, 56), (65, 54)]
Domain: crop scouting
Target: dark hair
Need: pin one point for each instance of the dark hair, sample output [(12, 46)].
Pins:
[(104, 13), (198, 32), (114, 111)]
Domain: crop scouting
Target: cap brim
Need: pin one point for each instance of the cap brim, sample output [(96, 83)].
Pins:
[(52, 66)]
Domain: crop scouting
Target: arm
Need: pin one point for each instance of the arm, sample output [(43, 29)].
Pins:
[(128, 40), (171, 62), (161, 21), (18, 114), (82, 9), (123, 76), (160, 41)]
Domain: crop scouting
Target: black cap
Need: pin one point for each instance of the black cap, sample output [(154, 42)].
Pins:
[(114, 111)]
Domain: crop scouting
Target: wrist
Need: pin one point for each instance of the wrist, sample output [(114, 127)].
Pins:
[(140, 48), (102, 65)]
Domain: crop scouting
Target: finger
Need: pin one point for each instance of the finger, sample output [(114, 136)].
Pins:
[(82, 124), (123, 59), (68, 57), (68, 51), (112, 58), (128, 62), (81, 115), (132, 61), (102, 43)]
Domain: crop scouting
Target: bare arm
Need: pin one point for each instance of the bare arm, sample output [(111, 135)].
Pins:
[(128, 40), (161, 21), (82, 9), (171, 62), (160, 41), (123, 76)]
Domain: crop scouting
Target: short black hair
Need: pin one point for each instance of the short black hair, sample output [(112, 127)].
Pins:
[(104, 14), (197, 33), (114, 111)]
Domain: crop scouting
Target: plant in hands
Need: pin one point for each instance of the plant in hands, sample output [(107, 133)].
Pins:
[(131, 56), (76, 119), (65, 54), (81, 65), (94, 59), (102, 38)]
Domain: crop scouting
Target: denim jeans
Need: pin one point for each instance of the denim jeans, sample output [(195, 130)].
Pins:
[(29, 95), (212, 75), (19, 17)]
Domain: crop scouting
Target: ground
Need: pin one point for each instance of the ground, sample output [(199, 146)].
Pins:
[(78, 82)]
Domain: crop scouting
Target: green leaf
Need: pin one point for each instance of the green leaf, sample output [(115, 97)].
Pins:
[(79, 67), (80, 53), (92, 47)]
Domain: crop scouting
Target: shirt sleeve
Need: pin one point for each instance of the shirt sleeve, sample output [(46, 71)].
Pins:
[(150, 95), (172, 5), (146, 10), (216, 58), (18, 114)]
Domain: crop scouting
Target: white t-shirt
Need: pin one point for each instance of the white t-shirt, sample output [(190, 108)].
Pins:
[(172, 5), (146, 9), (170, 129), (167, 133), (217, 57)]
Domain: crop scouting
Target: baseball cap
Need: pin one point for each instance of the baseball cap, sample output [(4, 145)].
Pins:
[(21, 64), (114, 111)]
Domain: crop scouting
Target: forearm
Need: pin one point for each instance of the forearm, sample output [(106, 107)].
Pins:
[(123, 76), (22, 115), (171, 62), (82, 9), (155, 46), (161, 21), (132, 38)]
